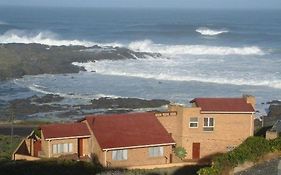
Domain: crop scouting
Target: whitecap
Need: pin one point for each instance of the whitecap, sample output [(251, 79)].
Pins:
[(149, 46), (210, 32), (46, 38)]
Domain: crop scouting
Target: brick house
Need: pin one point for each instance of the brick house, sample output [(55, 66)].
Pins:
[(208, 127)]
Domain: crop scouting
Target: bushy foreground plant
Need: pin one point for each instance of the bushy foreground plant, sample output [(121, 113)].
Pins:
[(180, 152), (250, 150)]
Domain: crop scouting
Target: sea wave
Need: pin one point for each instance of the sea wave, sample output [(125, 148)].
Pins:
[(116, 68), (46, 38), (149, 46), (210, 32), (52, 39)]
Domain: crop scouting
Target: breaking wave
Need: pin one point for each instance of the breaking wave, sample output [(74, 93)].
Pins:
[(144, 69), (46, 38), (52, 39), (149, 46), (210, 32)]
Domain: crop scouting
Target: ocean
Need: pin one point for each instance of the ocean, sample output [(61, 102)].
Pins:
[(204, 53)]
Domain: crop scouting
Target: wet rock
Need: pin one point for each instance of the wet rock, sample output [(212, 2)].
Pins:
[(49, 98), (18, 60)]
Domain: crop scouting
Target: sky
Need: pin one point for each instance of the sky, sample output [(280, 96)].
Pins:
[(210, 4)]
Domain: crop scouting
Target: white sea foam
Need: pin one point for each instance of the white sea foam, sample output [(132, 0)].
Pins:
[(210, 32), (149, 46), (47, 38), (179, 70), (52, 39)]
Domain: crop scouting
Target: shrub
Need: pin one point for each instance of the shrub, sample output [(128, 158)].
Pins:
[(250, 150), (180, 152)]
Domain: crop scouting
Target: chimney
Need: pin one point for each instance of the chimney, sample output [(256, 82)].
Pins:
[(250, 99)]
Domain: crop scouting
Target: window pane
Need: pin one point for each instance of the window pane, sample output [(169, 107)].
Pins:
[(70, 147), (125, 154), (205, 121), (55, 149), (161, 151), (114, 155), (211, 121), (65, 147), (60, 148), (150, 152)]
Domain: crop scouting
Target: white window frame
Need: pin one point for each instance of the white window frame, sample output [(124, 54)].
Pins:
[(193, 122), (208, 127), (157, 151), (121, 154)]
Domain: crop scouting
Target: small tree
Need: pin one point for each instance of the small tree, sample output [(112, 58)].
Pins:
[(180, 152)]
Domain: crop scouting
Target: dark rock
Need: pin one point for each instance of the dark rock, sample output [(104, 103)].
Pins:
[(45, 104), (18, 60), (49, 98)]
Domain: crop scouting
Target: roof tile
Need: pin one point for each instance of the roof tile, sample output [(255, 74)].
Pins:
[(126, 130), (223, 104), (65, 130)]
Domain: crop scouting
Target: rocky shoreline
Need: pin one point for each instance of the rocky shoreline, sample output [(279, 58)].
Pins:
[(22, 108), (17, 60)]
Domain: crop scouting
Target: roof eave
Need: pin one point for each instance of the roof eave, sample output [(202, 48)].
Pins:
[(63, 138), (138, 146)]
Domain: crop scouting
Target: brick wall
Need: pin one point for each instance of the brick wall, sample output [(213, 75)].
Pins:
[(140, 156)]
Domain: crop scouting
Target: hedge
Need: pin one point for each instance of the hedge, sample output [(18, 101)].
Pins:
[(250, 150)]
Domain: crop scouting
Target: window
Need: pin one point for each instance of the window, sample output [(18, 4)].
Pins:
[(208, 124), (55, 149), (62, 148), (156, 151), (193, 122), (120, 154)]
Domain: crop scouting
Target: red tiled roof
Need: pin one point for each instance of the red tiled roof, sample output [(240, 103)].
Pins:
[(65, 130), (223, 104), (127, 130)]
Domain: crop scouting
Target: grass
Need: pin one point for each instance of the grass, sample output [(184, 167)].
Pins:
[(6, 147)]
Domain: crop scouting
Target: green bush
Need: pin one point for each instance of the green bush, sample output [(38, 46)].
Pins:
[(250, 150), (276, 144), (180, 152)]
